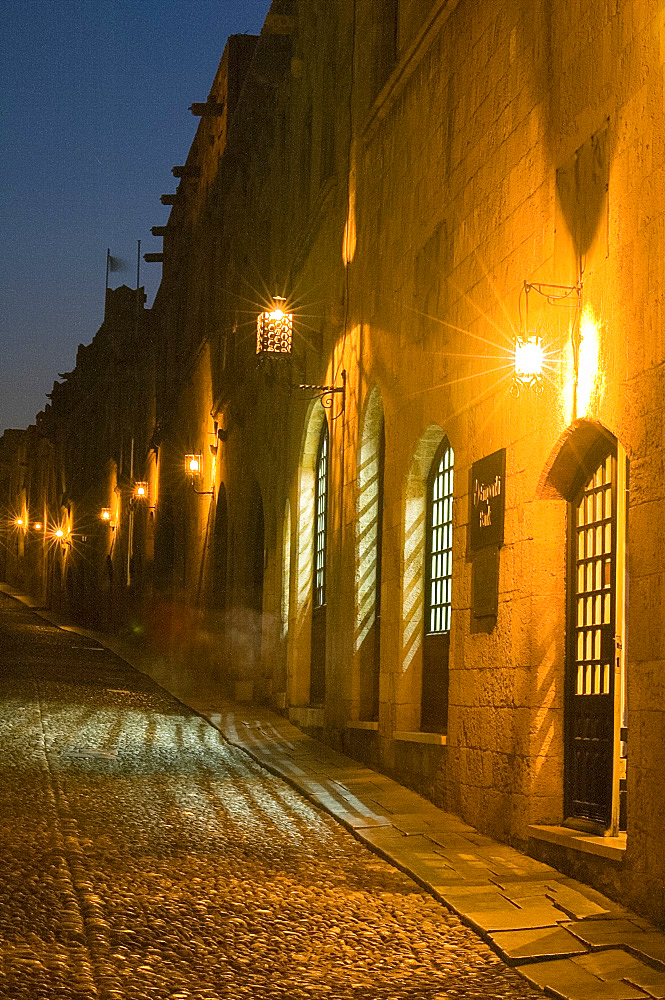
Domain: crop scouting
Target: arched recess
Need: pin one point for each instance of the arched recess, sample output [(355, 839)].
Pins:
[(220, 551), (588, 469), (409, 686), (286, 571), (300, 647), (165, 533), (256, 536), (573, 458), (369, 524)]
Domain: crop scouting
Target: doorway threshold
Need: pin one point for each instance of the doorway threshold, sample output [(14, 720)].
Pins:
[(613, 848)]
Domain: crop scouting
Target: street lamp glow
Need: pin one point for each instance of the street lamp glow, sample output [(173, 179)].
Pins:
[(274, 329), (193, 464), (529, 359)]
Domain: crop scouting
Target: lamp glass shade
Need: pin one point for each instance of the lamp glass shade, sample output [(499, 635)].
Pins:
[(274, 329), (528, 360)]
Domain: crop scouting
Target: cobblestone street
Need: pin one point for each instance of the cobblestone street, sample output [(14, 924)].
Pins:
[(145, 857)]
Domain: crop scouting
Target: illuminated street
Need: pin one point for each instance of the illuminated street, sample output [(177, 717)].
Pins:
[(145, 857)]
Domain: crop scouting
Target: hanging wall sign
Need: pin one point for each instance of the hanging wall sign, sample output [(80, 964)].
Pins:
[(487, 500)]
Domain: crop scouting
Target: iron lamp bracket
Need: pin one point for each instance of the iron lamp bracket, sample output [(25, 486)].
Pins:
[(325, 392)]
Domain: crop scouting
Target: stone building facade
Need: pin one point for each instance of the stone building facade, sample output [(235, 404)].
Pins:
[(452, 568)]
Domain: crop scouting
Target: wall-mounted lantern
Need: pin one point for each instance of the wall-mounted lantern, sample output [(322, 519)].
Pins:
[(529, 359), (193, 465), (140, 491), (274, 337), (106, 517), (194, 470), (529, 351), (37, 526), (63, 535), (19, 522), (274, 329)]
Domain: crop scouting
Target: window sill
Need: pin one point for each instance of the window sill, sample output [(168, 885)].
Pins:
[(613, 848), (307, 717), (357, 724), (432, 739)]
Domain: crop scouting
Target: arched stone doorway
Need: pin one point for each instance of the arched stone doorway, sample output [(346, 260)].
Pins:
[(588, 469)]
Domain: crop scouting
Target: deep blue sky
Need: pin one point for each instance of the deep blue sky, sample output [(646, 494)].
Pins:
[(94, 113)]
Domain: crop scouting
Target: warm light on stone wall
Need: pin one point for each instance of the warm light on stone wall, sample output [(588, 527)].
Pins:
[(587, 365)]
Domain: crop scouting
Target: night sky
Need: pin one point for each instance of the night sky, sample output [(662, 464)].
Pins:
[(94, 113)]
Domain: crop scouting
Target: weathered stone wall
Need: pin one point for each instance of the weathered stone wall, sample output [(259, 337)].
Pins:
[(460, 165), (400, 197)]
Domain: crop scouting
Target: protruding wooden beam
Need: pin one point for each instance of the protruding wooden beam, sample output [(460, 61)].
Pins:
[(153, 258), (186, 171), (158, 230), (168, 199), (207, 109)]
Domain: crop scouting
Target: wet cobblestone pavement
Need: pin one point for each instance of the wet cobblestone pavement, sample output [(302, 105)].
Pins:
[(144, 857)]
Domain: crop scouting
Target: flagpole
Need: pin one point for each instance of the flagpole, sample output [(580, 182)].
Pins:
[(108, 260), (138, 275)]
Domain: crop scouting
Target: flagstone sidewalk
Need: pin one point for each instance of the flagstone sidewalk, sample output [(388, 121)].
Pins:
[(561, 935)]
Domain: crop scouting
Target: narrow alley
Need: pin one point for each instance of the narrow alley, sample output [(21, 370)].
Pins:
[(144, 856)]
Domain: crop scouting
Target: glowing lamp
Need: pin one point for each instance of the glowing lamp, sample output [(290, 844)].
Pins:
[(529, 359), (193, 465), (19, 522), (37, 526), (274, 329), (59, 533), (106, 514), (140, 490)]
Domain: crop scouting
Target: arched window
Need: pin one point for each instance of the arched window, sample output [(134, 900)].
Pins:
[(592, 576), (318, 658), (321, 516), (438, 590), (439, 562), (589, 469)]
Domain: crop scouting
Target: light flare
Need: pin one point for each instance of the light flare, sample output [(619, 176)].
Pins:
[(587, 364)]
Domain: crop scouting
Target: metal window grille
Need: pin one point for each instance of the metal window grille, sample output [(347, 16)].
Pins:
[(594, 614), (320, 528), (439, 564)]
